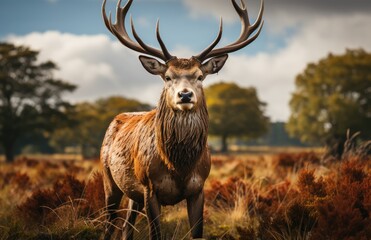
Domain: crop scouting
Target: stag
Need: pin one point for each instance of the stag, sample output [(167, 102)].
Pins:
[(161, 157)]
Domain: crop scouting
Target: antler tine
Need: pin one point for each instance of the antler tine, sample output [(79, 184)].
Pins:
[(121, 13), (259, 18), (243, 4), (153, 51), (119, 30), (246, 31), (235, 47), (204, 53), (245, 23), (162, 45), (105, 19), (120, 20)]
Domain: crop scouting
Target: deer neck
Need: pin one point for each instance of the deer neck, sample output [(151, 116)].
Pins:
[(181, 136)]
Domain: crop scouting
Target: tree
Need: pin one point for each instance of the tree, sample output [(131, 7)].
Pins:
[(332, 96), (92, 121), (30, 98), (235, 111)]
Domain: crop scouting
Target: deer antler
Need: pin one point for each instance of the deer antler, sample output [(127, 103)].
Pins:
[(119, 30), (243, 40)]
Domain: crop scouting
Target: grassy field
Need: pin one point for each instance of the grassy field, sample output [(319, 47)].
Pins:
[(262, 194)]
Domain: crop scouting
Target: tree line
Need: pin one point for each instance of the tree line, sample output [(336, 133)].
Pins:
[(330, 97)]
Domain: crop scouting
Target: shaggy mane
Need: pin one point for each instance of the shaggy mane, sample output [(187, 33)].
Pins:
[(181, 136)]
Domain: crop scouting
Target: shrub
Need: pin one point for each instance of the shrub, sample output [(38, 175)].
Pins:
[(283, 213), (224, 194), (94, 195), (345, 212), (42, 202), (310, 187), (297, 160), (86, 199)]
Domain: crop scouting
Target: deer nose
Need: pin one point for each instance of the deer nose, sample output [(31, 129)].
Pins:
[(185, 96)]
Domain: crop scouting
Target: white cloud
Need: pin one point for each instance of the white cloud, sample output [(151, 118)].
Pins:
[(276, 19), (143, 21), (102, 67), (99, 66), (182, 51), (213, 8), (278, 15), (274, 73)]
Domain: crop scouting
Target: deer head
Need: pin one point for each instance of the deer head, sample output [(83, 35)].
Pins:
[(183, 77)]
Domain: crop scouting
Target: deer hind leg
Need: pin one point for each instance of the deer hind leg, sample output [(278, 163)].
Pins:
[(131, 215), (113, 196)]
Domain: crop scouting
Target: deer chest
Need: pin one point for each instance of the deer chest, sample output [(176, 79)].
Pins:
[(171, 190)]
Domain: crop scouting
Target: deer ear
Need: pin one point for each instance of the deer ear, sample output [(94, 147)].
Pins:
[(214, 65), (152, 65)]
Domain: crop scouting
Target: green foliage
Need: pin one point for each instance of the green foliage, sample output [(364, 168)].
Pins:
[(332, 96), (30, 98), (235, 111), (92, 120)]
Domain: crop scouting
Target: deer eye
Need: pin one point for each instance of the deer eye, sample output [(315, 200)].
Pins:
[(167, 78), (200, 78)]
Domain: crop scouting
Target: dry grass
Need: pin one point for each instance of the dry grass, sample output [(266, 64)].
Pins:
[(286, 195)]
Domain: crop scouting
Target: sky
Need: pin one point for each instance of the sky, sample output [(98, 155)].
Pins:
[(296, 32)]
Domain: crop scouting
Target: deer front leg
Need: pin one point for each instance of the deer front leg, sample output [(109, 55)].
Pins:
[(195, 208), (153, 210)]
